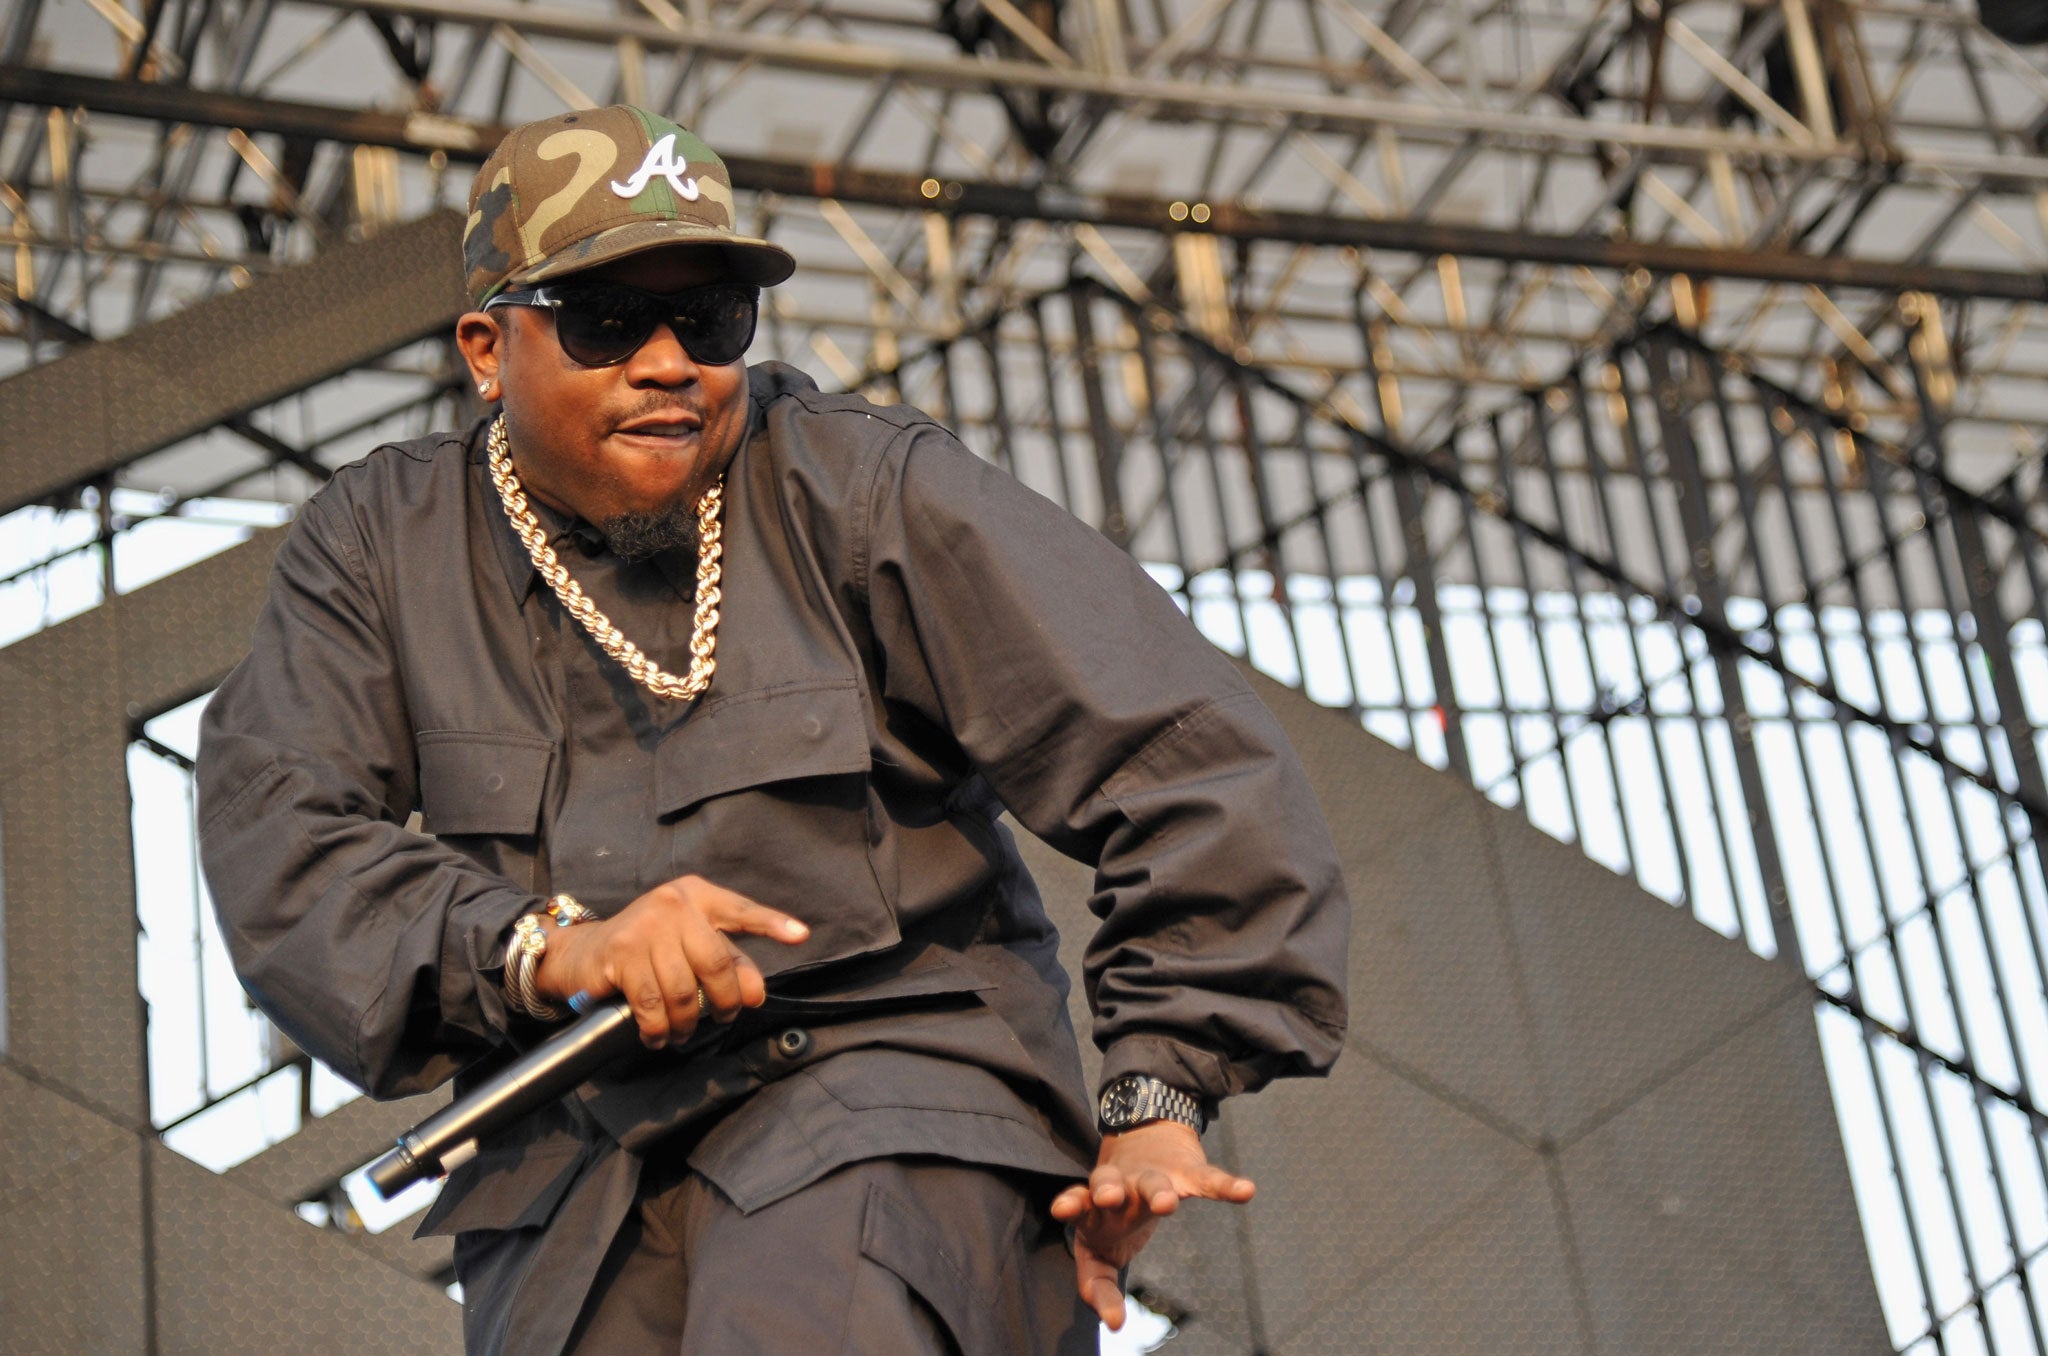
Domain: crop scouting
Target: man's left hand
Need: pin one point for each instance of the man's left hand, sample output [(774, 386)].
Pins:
[(1140, 1176)]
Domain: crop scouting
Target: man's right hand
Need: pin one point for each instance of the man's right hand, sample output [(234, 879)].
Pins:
[(661, 951)]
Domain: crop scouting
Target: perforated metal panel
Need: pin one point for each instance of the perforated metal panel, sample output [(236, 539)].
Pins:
[(72, 1266), (1569, 1118), (109, 1242), (105, 405), (73, 1012), (238, 1272)]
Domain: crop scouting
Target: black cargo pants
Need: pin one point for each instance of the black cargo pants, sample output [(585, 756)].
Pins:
[(888, 1257)]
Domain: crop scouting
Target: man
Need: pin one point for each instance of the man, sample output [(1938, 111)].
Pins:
[(710, 689)]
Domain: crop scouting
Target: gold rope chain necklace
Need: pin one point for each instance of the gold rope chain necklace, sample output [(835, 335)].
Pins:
[(703, 629)]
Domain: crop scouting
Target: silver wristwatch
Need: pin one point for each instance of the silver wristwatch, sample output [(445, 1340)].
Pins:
[(1136, 1098)]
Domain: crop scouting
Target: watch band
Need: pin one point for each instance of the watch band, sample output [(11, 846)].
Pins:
[(1134, 1099)]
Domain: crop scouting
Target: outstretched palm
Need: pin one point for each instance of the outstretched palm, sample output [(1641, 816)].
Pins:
[(1140, 1177)]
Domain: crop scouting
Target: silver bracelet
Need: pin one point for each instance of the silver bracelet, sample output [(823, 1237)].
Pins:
[(529, 944)]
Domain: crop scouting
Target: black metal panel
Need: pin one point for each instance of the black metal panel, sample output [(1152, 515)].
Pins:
[(1355, 1175), (77, 1156), (179, 636), (72, 1263), (1787, 674), (1622, 990), (105, 405), (1496, 1279), (1713, 1215), (1432, 976), (73, 1012), (1536, 1045), (237, 1272), (429, 1259)]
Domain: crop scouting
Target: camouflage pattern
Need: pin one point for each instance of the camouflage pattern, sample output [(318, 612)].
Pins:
[(584, 188)]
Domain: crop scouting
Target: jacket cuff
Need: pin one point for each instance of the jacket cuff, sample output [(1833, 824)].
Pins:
[(476, 942), (1197, 1072)]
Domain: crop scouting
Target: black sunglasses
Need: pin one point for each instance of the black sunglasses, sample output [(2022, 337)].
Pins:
[(602, 324)]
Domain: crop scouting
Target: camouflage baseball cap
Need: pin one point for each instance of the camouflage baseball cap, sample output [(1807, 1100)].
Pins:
[(584, 188)]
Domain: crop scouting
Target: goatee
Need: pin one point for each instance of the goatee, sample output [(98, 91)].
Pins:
[(642, 536)]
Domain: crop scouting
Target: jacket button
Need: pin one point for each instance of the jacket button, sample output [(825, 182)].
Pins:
[(795, 1042)]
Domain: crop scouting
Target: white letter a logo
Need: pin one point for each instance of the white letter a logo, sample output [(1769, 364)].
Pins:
[(661, 159)]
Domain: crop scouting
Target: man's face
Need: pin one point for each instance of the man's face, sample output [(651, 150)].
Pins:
[(629, 448)]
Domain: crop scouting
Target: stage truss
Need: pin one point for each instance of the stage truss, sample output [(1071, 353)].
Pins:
[(1506, 184)]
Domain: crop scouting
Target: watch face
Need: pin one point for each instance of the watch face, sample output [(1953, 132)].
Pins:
[(1119, 1101)]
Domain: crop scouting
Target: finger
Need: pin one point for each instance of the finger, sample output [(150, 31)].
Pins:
[(678, 988), (730, 911), (637, 981), (1096, 1281), (718, 965), (1215, 1184), (1157, 1191), (1107, 1188), (753, 986), (1070, 1204), (1106, 1298)]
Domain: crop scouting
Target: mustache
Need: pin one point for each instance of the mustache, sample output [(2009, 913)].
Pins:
[(654, 405)]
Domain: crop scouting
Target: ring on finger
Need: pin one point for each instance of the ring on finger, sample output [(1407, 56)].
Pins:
[(703, 1004)]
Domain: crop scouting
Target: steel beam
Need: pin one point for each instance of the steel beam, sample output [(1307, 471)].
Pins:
[(1338, 111), (470, 142)]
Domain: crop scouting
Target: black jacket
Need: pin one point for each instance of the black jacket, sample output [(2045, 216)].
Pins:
[(910, 642)]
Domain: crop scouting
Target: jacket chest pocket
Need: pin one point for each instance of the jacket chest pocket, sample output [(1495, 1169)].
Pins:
[(766, 793), (480, 793)]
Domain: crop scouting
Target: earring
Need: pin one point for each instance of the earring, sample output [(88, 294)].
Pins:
[(483, 388)]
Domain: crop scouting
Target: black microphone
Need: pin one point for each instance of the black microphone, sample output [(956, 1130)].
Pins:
[(447, 1139)]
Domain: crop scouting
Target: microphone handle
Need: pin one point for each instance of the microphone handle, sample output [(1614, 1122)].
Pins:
[(446, 1139)]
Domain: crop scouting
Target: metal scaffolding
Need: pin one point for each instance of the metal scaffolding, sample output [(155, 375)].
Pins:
[(1804, 182)]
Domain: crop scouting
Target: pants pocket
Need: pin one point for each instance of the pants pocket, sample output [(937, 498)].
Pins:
[(1003, 1288)]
